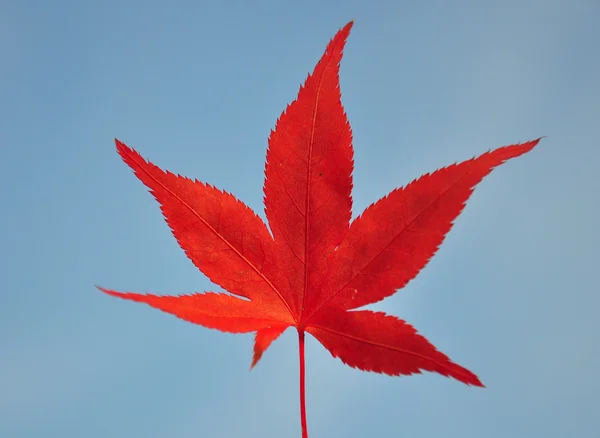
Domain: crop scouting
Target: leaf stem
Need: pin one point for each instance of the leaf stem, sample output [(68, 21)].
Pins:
[(302, 383)]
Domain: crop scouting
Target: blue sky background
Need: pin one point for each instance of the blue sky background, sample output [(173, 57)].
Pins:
[(196, 87)]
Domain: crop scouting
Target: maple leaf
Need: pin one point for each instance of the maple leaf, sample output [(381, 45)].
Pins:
[(317, 266)]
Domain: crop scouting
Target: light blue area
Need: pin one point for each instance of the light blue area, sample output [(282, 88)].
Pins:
[(196, 87)]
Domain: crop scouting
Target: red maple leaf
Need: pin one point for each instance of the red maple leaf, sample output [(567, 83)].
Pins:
[(315, 266)]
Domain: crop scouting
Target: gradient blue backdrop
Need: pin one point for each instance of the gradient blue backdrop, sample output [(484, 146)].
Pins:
[(196, 87)]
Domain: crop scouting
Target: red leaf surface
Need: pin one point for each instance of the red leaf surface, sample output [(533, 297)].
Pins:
[(316, 266)]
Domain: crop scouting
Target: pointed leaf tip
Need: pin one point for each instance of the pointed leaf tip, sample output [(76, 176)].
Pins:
[(264, 338), (344, 31)]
